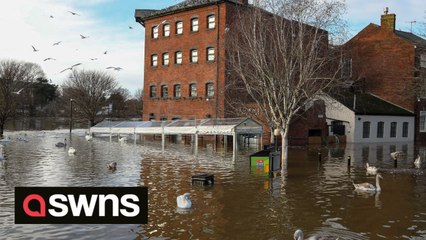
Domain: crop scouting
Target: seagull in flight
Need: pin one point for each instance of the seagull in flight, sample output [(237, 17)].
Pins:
[(115, 68), (56, 43), (83, 37), (74, 13), (51, 16), (18, 92), (105, 52), (34, 49), (70, 68), (46, 59)]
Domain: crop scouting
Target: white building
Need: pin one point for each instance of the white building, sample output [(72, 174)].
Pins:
[(366, 118)]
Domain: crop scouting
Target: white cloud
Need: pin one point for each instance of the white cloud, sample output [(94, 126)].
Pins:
[(28, 23)]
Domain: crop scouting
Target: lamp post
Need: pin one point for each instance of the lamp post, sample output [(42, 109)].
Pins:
[(71, 101), (276, 134)]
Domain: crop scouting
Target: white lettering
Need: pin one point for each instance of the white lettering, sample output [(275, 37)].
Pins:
[(82, 203), (131, 205), (115, 204), (54, 203)]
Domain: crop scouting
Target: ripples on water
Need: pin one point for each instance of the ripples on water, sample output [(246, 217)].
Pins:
[(314, 196)]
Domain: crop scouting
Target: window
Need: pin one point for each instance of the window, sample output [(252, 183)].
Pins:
[(393, 130), (422, 121), (405, 129), (179, 27), (194, 25), (211, 23), (423, 60), (194, 56), (193, 90), (166, 30), (153, 91), (347, 68), (154, 60), (209, 90), (365, 129), (178, 57), (380, 129), (165, 59), (164, 91), (163, 118), (151, 116), (210, 54), (177, 91), (155, 32)]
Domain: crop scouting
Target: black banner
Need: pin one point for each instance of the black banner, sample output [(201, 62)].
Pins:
[(81, 205)]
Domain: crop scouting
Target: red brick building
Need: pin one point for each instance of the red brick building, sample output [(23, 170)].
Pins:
[(387, 62), (185, 63)]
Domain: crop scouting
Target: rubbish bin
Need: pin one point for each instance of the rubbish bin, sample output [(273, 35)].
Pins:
[(265, 161)]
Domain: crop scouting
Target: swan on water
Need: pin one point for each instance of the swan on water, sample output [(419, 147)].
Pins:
[(88, 137), (298, 235), (368, 186), (418, 162), (396, 155), (183, 201), (61, 144), (123, 139), (112, 166), (371, 169), (71, 151)]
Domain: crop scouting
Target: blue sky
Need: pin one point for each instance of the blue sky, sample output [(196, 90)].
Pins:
[(28, 23)]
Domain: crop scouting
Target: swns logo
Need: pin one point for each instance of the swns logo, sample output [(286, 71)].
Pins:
[(85, 205)]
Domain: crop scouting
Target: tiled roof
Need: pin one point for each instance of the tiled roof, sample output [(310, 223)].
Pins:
[(368, 104), (188, 4), (411, 37)]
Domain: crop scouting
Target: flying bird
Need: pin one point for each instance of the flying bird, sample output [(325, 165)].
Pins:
[(18, 92), (74, 13), (46, 59), (83, 37), (105, 52), (130, 27), (115, 68), (93, 59), (56, 43), (51, 16), (70, 68), (34, 49)]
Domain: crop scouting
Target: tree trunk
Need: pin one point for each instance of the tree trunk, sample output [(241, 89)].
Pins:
[(284, 147), (92, 122), (1, 129)]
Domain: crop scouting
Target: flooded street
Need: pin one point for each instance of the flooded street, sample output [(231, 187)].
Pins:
[(315, 196)]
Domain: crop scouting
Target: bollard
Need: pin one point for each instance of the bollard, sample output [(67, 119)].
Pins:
[(319, 156), (395, 163), (349, 161)]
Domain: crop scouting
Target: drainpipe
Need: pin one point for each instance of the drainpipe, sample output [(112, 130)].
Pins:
[(218, 58)]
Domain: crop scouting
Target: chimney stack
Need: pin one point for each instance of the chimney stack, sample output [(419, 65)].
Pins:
[(387, 21)]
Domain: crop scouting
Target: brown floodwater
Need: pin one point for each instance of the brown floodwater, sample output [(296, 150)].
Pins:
[(315, 196)]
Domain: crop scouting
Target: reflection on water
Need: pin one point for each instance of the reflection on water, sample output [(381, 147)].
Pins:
[(312, 195)]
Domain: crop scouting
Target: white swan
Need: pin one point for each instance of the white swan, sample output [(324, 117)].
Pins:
[(298, 235), (71, 151), (418, 162), (371, 169), (122, 139), (89, 137), (112, 166), (368, 186), (183, 201), (61, 144), (396, 155)]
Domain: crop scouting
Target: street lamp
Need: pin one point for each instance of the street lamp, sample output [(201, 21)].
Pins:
[(71, 101)]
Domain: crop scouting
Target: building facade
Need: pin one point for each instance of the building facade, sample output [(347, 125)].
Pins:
[(387, 63)]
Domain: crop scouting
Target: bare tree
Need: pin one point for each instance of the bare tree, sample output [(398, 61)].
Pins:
[(279, 60), (15, 77), (89, 90)]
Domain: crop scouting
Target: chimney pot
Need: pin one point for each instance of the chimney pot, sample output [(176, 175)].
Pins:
[(387, 21)]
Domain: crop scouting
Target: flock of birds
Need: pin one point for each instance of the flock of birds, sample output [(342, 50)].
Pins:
[(77, 64)]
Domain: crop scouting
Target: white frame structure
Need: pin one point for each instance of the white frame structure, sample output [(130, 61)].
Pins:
[(211, 126)]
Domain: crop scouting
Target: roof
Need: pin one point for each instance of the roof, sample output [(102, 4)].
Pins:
[(143, 14), (369, 104), (416, 40), (211, 126)]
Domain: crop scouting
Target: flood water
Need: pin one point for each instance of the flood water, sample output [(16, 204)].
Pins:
[(315, 196)]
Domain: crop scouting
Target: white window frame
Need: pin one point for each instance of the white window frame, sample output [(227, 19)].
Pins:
[(166, 30), (154, 60), (194, 56), (193, 90), (211, 22), (177, 94), (194, 24), (178, 57), (166, 59), (155, 32), (209, 90), (179, 27), (210, 54)]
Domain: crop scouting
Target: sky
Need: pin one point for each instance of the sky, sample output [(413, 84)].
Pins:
[(110, 27)]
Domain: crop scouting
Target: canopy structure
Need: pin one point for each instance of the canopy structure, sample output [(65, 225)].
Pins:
[(212, 126)]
